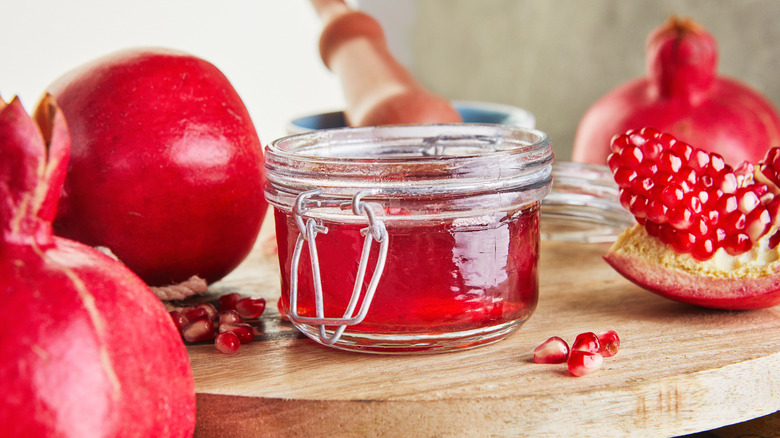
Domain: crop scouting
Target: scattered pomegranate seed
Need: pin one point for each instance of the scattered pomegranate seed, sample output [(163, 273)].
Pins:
[(610, 343), (228, 301), (193, 313), (227, 343), (201, 329), (211, 311), (586, 342), (583, 362), (230, 317), (586, 354), (206, 321), (245, 332), (250, 308), (553, 350), (178, 320)]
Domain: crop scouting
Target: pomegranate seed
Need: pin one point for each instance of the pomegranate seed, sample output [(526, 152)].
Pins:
[(642, 185), (748, 200), (211, 311), (669, 162), (688, 175), (613, 161), (717, 163), (726, 182), (227, 343), (692, 202), (773, 208), (652, 150), (178, 320), (680, 217), (736, 244), (250, 308), (700, 227), (245, 332), (683, 241), (631, 156), (201, 329), (774, 240), (618, 143), (587, 341), (228, 301), (703, 249), (610, 343), (653, 228), (638, 206), (758, 223), (583, 362), (734, 222), (230, 317), (680, 148), (650, 132), (657, 212), (624, 176), (672, 195), (193, 313), (553, 350)]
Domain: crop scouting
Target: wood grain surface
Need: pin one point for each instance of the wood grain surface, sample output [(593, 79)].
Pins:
[(680, 369)]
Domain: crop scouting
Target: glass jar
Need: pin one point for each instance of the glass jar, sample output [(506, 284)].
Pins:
[(584, 205), (409, 238)]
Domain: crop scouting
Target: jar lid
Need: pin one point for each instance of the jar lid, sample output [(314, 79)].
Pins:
[(583, 205), (491, 165)]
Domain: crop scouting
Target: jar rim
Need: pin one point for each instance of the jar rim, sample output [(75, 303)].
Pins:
[(508, 139), (510, 165)]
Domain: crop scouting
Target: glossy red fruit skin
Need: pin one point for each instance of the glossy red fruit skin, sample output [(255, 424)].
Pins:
[(166, 168), (682, 95), (86, 348)]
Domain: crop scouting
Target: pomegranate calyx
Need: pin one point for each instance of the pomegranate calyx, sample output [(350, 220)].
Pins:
[(681, 59), (31, 174)]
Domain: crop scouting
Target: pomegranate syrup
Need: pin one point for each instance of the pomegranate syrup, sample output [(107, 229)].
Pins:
[(439, 277)]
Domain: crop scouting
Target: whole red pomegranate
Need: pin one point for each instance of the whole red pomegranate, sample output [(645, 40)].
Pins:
[(682, 95), (166, 168), (86, 349)]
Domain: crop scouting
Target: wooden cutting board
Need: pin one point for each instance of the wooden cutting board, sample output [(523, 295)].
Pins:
[(681, 369)]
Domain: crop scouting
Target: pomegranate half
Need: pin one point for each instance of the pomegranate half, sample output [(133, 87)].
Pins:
[(166, 168), (706, 234), (682, 94), (86, 348)]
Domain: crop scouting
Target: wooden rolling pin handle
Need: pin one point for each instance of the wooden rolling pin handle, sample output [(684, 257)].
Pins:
[(378, 89)]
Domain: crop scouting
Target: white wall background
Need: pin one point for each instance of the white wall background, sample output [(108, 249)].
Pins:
[(267, 48)]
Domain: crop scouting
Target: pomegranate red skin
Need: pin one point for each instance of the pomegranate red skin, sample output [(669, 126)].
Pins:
[(166, 167), (87, 350), (716, 293), (682, 95)]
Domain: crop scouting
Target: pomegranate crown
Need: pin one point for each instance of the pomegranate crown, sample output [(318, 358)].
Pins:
[(33, 164), (681, 58)]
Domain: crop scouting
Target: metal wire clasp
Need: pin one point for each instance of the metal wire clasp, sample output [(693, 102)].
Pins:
[(308, 232)]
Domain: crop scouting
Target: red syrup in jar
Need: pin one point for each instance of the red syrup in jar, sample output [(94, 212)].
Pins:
[(439, 277)]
